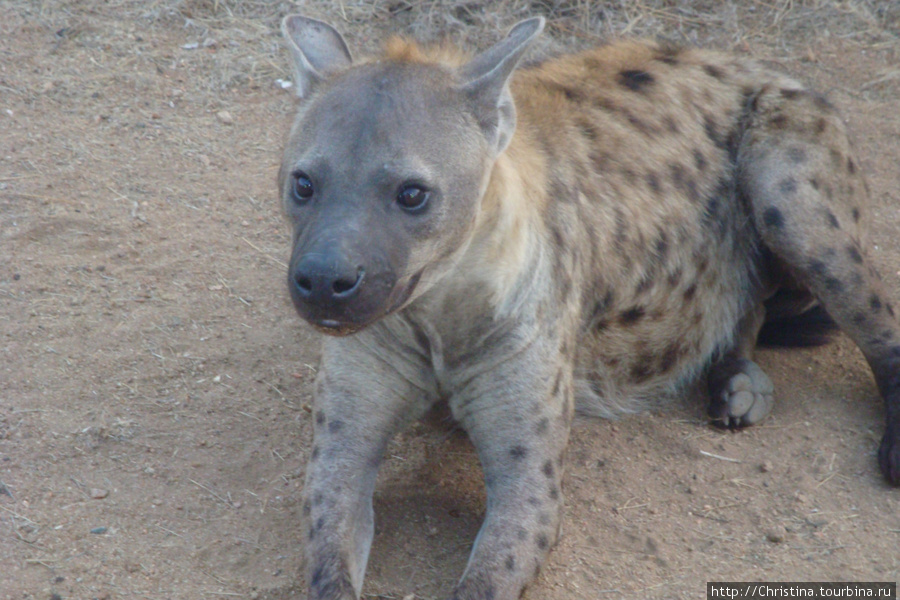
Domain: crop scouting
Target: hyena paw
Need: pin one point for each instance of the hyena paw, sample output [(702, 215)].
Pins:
[(889, 454), (741, 395)]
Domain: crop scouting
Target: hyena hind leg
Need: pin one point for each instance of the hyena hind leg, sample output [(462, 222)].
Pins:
[(740, 393), (807, 198)]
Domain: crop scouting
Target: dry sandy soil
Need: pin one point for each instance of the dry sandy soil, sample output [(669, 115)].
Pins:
[(155, 381)]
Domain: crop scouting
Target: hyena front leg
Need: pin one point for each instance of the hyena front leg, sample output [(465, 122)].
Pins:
[(808, 198), (518, 417), (360, 403), (740, 393)]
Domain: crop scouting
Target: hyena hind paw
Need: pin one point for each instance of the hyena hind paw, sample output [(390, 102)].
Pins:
[(741, 395)]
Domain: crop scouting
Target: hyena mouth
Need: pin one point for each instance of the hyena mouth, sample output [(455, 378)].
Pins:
[(396, 301)]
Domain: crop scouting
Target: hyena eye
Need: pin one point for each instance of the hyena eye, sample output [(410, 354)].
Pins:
[(413, 197), (303, 187)]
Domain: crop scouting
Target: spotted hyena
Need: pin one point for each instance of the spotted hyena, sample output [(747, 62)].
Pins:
[(592, 230)]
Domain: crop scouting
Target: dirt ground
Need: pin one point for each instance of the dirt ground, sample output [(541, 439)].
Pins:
[(155, 381)]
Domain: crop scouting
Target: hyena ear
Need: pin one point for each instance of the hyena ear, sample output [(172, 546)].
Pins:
[(486, 81), (317, 50)]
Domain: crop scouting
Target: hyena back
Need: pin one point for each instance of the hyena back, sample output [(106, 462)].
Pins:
[(603, 226)]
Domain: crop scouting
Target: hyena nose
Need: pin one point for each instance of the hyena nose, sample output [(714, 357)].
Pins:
[(321, 281)]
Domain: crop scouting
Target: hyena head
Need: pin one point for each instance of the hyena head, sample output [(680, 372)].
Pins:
[(385, 168)]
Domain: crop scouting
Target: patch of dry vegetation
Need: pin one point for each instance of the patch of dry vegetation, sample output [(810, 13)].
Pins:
[(236, 42)]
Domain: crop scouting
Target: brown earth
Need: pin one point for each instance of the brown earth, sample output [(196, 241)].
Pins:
[(155, 381)]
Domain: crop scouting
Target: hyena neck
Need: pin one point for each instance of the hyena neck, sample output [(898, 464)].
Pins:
[(509, 250)]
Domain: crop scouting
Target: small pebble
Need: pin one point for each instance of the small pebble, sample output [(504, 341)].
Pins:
[(98, 494), (225, 117), (99, 530), (776, 534), (765, 467)]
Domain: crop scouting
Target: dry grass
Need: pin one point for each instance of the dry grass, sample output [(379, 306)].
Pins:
[(235, 43)]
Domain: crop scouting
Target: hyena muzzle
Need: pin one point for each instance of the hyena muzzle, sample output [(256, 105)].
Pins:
[(594, 229)]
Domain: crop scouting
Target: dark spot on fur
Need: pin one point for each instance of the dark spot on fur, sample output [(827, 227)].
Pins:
[(714, 71), (790, 94), (640, 124), (814, 183), (632, 315), (796, 154), (557, 236), (818, 268), (315, 453), (668, 53), (641, 371), (553, 493), (772, 217), (600, 160), (875, 303), (788, 185), (320, 417), (602, 305), (547, 469), (854, 254), (605, 104), (542, 541), (821, 125), (307, 508), (644, 284), (670, 356), (689, 292), (832, 220), (678, 175), (556, 383), (851, 166), (834, 284), (510, 563), (674, 278), (859, 318), (699, 160), (778, 121), (542, 426), (889, 308), (712, 131), (636, 81), (661, 246), (670, 124), (589, 131), (335, 426), (653, 182), (571, 94), (518, 452), (856, 214)]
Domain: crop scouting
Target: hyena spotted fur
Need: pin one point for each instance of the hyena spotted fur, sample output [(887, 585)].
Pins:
[(592, 230)]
